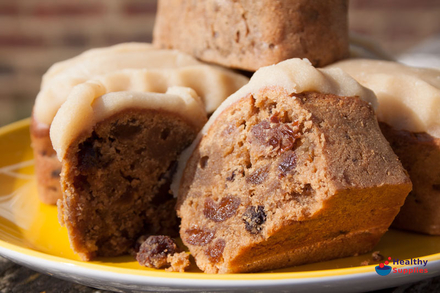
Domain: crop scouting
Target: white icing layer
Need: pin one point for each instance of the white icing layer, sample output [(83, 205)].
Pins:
[(212, 84), (90, 103), (295, 76), (63, 76), (409, 97)]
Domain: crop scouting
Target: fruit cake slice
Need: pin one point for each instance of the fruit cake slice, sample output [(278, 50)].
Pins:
[(409, 117), (63, 76), (118, 152), (291, 169)]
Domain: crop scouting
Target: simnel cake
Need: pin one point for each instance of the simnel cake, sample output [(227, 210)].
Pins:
[(247, 34), (409, 117), (118, 152), (290, 169), (63, 76)]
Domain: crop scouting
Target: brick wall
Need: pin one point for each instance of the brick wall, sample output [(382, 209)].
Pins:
[(36, 33)]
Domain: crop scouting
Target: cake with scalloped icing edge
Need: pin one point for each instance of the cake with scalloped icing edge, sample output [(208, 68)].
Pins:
[(409, 117), (118, 151), (291, 169), (218, 83)]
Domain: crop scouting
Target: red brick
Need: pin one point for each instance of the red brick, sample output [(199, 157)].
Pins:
[(68, 9), (9, 9), (6, 69), (15, 40), (112, 39), (140, 8), (75, 40), (400, 32), (394, 4)]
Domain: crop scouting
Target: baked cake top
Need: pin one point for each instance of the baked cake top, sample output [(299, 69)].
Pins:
[(125, 55), (212, 84), (63, 76), (409, 97), (294, 76), (90, 102)]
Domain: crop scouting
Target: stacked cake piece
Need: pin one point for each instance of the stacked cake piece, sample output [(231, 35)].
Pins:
[(290, 168)]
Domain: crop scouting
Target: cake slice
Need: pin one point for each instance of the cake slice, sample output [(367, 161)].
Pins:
[(63, 76), (118, 152), (250, 34), (291, 169), (409, 117)]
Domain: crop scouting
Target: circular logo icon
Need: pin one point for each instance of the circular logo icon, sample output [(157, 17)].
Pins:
[(383, 271)]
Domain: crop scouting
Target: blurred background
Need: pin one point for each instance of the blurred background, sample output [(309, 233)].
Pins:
[(36, 33)]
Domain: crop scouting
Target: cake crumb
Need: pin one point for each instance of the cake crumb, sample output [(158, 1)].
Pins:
[(159, 251), (154, 251), (178, 262), (376, 256)]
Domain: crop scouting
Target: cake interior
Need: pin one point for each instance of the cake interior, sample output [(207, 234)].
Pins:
[(116, 181), (281, 180), (420, 155)]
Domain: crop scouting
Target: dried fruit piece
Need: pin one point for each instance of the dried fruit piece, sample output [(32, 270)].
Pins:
[(199, 236), (254, 218), (280, 136), (88, 156), (154, 251), (215, 251), (288, 163), (232, 177), (222, 211), (258, 176)]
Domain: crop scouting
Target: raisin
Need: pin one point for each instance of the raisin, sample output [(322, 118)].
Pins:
[(232, 177), (280, 136), (55, 173), (224, 210), (254, 218), (154, 251), (199, 237), (204, 162), (275, 119), (288, 163), (88, 156), (258, 176), (215, 251)]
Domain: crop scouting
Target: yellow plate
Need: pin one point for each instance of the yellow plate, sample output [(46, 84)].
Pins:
[(30, 235)]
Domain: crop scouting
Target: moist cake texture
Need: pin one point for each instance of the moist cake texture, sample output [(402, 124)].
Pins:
[(280, 176), (420, 155), (118, 153), (409, 115), (128, 66), (248, 34)]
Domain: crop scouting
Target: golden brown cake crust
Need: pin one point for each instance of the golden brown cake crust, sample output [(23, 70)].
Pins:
[(249, 34), (116, 180), (47, 165), (420, 155), (281, 180)]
